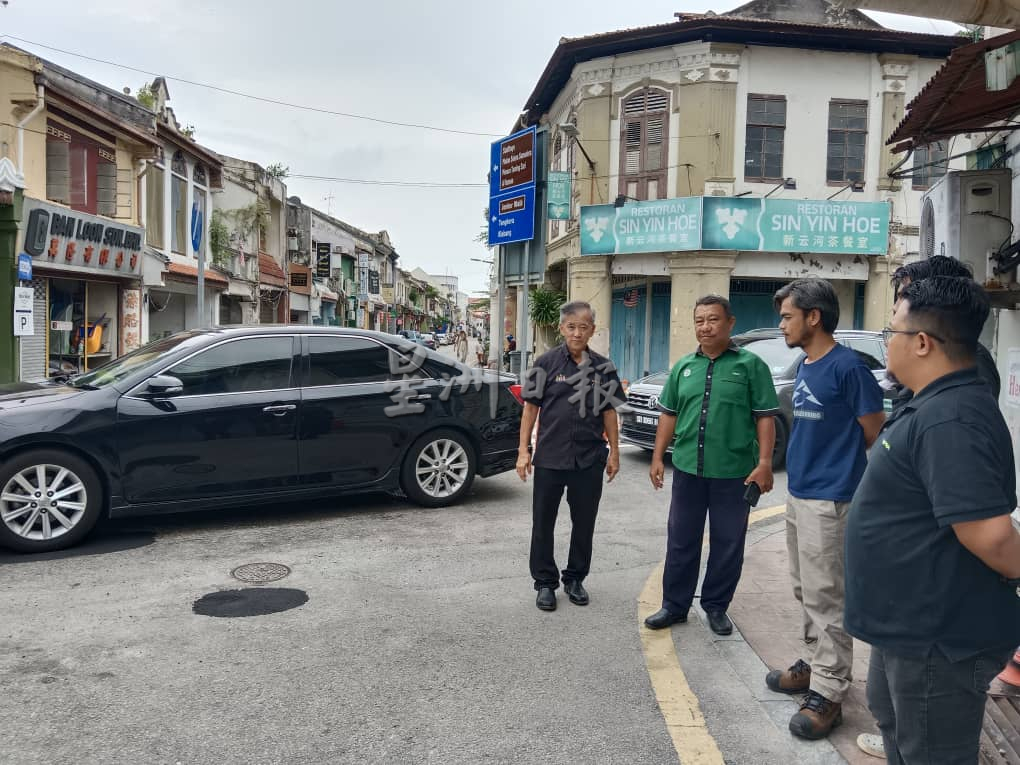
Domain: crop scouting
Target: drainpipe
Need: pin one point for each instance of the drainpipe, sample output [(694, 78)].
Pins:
[(993, 13), (39, 106)]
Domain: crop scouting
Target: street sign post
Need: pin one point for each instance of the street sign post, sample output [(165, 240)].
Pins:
[(24, 323), (512, 188), (196, 246), (25, 267)]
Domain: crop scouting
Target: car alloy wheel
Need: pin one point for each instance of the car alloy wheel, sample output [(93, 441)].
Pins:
[(48, 500), (441, 468)]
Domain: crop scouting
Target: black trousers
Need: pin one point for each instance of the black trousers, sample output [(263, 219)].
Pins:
[(928, 708), (584, 490), (722, 499)]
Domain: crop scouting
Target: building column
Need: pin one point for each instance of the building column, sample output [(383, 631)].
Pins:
[(589, 279), (10, 218), (895, 71), (694, 275), (878, 293)]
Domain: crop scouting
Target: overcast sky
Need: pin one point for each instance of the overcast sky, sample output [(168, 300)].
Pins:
[(463, 64)]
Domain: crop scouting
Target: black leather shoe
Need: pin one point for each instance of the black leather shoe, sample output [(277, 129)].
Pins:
[(720, 622), (546, 599), (663, 618), (577, 594)]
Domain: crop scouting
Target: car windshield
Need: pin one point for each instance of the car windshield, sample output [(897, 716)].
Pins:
[(130, 363), (775, 353)]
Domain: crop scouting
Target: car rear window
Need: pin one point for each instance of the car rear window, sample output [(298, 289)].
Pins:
[(775, 353)]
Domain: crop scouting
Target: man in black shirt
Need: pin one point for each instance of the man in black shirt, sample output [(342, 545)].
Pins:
[(577, 392), (939, 265), (932, 557)]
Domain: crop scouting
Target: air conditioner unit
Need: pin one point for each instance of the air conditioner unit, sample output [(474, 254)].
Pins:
[(293, 243), (966, 215), (337, 249), (351, 315)]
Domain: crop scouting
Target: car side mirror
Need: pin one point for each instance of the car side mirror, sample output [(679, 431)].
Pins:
[(163, 385)]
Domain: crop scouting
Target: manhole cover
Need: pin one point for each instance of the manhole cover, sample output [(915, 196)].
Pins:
[(257, 601), (260, 573)]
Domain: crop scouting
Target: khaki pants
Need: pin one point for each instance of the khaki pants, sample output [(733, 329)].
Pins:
[(815, 531)]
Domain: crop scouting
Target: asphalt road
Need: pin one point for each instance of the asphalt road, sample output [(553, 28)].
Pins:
[(419, 640)]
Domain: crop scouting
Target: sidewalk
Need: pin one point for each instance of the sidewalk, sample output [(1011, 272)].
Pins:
[(768, 617)]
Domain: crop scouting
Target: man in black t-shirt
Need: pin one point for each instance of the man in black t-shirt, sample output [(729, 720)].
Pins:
[(932, 557)]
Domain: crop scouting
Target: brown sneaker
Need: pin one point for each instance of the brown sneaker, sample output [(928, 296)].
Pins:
[(796, 679), (817, 717)]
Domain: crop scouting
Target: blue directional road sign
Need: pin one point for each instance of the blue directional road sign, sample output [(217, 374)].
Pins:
[(512, 188), (197, 221), (25, 267)]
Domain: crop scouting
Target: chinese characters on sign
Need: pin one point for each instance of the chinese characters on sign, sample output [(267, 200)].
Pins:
[(736, 223)]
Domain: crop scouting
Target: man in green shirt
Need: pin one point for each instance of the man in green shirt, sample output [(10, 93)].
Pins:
[(717, 408)]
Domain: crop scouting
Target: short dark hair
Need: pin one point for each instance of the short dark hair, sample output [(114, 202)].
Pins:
[(809, 294), (574, 308), (952, 309), (716, 300), (936, 265)]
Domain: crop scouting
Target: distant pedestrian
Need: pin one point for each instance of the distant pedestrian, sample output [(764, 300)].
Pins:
[(577, 392), (462, 346), (717, 410), (837, 412), (932, 558)]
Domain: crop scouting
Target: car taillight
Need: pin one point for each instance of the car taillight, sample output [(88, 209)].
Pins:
[(515, 391)]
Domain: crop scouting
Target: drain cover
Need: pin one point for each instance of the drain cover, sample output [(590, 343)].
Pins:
[(260, 573), (253, 602)]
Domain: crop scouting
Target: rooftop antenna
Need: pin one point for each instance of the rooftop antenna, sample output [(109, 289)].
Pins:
[(329, 203)]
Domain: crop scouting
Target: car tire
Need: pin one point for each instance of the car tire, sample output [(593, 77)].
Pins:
[(439, 468), (73, 488), (782, 438)]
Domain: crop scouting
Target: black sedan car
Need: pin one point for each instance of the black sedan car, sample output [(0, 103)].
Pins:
[(641, 418), (236, 416)]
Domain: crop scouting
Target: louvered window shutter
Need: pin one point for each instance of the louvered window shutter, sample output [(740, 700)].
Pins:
[(58, 171)]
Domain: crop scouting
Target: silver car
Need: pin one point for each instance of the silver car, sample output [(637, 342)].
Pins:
[(640, 418)]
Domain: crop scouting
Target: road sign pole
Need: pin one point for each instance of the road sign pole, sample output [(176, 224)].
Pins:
[(525, 343), (496, 341)]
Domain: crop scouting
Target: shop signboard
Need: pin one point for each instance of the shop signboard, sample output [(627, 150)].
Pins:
[(558, 198), (663, 225), (744, 224), (322, 260), (61, 239), (796, 225)]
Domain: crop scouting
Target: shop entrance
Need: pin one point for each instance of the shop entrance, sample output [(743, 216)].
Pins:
[(81, 325)]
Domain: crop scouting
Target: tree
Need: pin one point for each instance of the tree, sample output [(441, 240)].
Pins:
[(483, 234), (147, 96), (278, 170)]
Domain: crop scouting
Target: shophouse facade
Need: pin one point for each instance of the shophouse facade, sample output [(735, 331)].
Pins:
[(80, 148), (711, 112)]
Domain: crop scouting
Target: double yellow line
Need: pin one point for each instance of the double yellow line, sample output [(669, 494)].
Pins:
[(693, 743)]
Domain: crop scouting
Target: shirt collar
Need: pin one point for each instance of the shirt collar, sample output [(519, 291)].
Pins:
[(565, 351), (968, 376), (731, 347)]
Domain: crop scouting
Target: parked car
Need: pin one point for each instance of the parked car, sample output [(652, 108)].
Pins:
[(245, 415), (428, 340), (411, 334), (440, 338), (640, 418)]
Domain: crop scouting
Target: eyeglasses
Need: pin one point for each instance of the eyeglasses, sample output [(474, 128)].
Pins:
[(887, 334)]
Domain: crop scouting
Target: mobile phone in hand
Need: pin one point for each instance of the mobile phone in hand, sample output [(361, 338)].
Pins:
[(752, 493)]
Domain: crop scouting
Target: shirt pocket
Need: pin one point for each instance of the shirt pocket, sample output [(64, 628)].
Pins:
[(732, 391)]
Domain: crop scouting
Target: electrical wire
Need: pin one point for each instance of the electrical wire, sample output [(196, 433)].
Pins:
[(263, 99)]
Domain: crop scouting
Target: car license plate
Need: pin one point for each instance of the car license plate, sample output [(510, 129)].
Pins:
[(642, 420)]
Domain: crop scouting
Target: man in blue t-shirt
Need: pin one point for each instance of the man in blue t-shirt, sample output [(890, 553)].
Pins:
[(837, 413)]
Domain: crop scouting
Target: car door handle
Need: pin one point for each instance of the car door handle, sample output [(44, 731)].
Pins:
[(279, 409)]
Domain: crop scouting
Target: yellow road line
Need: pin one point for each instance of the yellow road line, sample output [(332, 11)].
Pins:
[(680, 709)]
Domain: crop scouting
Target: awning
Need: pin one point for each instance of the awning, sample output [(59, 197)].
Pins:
[(239, 289), (270, 271), (329, 297), (956, 100), (182, 273)]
